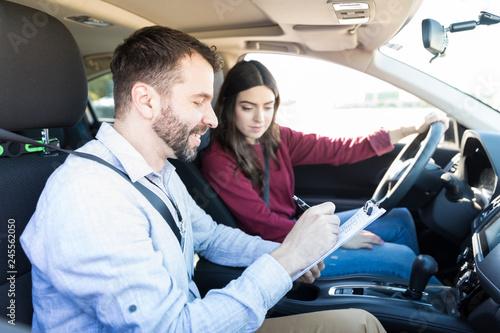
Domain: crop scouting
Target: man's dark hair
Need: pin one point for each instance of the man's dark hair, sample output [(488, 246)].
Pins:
[(151, 55)]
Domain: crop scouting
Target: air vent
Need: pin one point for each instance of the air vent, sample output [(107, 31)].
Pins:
[(352, 12)]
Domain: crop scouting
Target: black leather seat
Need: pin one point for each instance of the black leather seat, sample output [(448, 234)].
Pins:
[(44, 85), (201, 191), (207, 274)]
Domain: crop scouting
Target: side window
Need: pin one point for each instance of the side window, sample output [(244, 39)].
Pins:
[(328, 99), (101, 97)]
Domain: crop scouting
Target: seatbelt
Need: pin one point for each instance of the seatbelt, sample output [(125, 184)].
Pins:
[(265, 195), (155, 201)]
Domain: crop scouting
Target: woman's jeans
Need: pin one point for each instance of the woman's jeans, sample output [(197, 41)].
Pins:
[(393, 258)]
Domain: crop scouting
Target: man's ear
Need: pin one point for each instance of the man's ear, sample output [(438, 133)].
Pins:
[(144, 97)]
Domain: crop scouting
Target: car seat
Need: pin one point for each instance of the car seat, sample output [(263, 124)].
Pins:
[(196, 184), (207, 275), (43, 86)]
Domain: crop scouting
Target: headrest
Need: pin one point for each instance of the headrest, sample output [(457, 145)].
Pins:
[(43, 82)]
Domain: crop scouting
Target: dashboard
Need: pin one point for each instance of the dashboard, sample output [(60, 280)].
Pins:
[(478, 171), (486, 249), (480, 163), (469, 186)]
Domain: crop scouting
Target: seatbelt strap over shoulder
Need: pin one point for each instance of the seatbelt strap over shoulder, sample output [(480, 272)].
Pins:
[(265, 195), (155, 201)]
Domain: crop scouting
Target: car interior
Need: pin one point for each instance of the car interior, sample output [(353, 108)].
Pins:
[(51, 49)]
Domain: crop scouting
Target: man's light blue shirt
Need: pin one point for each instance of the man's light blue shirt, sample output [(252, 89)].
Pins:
[(103, 259)]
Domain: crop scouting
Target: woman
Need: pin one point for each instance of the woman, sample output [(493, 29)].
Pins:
[(234, 166)]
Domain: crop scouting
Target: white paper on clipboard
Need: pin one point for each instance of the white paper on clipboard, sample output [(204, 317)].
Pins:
[(363, 217)]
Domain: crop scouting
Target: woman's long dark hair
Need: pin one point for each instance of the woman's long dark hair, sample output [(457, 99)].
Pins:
[(245, 75)]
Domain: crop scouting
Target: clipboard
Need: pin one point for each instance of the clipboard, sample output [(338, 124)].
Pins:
[(363, 217)]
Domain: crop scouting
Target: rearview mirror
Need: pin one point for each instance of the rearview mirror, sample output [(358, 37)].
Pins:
[(434, 37)]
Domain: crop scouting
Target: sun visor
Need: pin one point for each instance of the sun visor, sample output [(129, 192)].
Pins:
[(337, 37)]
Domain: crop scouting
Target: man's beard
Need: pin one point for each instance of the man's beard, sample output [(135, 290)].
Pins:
[(176, 134)]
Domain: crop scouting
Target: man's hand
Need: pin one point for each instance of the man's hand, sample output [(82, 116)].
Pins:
[(312, 236), (313, 274), (363, 240)]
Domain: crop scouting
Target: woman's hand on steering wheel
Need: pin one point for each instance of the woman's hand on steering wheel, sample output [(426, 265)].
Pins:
[(403, 131), (408, 165), (431, 118)]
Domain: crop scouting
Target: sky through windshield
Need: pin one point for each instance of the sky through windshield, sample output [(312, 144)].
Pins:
[(471, 58)]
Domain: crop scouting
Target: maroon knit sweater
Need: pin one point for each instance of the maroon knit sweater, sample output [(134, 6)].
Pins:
[(244, 200)]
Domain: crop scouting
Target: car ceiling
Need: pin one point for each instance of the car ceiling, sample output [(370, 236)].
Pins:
[(235, 27)]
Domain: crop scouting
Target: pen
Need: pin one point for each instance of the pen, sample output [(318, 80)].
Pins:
[(301, 203)]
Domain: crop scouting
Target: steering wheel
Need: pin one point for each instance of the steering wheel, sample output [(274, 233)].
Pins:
[(407, 167)]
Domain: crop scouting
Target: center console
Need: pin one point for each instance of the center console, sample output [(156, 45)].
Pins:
[(436, 310), (486, 249), (472, 305)]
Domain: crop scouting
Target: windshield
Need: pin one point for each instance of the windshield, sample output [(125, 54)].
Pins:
[(470, 62)]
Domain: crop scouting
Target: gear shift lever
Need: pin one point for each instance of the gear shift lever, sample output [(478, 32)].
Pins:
[(424, 267)]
